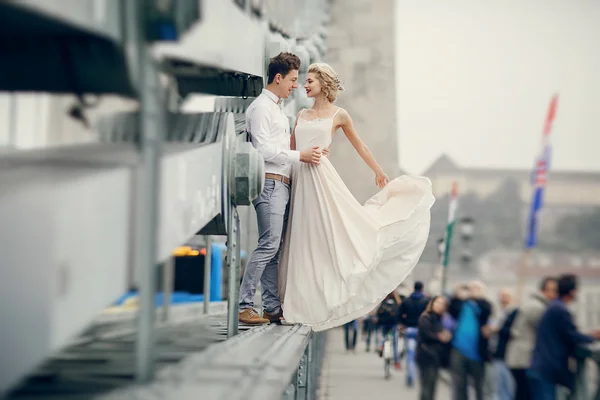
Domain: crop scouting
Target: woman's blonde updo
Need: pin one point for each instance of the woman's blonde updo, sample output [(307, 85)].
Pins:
[(330, 84)]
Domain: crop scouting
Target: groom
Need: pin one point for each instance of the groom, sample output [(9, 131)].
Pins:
[(269, 129)]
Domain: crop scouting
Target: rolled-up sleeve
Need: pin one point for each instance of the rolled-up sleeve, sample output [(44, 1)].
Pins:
[(259, 122)]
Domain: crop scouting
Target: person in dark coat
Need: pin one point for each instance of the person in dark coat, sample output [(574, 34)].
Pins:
[(523, 331), (557, 339), (410, 311), (387, 322), (432, 346)]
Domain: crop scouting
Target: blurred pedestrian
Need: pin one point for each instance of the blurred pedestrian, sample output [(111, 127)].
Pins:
[(387, 321), (502, 380), (470, 342), (410, 311), (432, 346), (350, 332), (370, 329), (520, 348), (557, 339)]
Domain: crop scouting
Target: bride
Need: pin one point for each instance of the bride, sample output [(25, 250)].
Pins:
[(340, 259)]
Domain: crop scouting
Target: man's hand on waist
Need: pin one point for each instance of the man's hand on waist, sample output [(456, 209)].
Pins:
[(311, 156)]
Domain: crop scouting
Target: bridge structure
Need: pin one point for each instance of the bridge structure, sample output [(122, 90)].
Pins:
[(86, 221)]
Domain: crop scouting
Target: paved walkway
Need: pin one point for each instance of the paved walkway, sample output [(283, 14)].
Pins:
[(348, 375)]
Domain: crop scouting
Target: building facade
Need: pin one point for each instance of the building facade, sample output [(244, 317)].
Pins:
[(362, 51)]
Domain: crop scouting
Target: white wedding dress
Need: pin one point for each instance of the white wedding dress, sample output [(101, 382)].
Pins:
[(340, 259)]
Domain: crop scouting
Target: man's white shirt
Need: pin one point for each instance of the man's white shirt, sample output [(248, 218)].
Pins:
[(270, 132)]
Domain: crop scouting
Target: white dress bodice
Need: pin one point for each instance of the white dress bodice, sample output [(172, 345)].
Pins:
[(314, 132)]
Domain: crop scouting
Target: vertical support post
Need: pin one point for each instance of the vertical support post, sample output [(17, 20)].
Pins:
[(597, 395), (12, 120), (168, 271), (522, 275), (152, 127), (207, 270), (444, 279), (310, 367), (233, 259)]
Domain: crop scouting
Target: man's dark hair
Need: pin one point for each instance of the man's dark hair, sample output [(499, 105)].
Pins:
[(282, 64), (544, 283), (418, 286), (566, 284)]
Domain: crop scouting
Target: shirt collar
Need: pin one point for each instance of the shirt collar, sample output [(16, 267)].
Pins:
[(272, 96)]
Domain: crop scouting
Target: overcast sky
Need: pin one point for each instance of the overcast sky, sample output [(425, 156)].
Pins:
[(474, 80)]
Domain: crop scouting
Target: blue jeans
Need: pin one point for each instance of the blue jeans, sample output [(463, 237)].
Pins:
[(385, 330), (541, 389), (369, 330), (410, 340), (351, 338), (504, 382), (272, 208)]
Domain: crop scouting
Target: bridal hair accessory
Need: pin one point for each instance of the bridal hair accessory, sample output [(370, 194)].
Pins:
[(339, 83)]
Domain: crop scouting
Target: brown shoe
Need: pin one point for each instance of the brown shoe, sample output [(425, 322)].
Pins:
[(249, 316), (273, 318)]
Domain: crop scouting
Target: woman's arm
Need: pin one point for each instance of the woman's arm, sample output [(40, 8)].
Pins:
[(345, 122)]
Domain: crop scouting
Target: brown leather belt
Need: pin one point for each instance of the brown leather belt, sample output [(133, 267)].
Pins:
[(278, 177)]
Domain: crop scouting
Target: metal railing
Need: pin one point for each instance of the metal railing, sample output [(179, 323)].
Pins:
[(305, 383), (270, 362), (584, 386)]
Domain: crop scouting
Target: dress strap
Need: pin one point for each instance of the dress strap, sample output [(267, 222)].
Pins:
[(301, 112), (338, 110)]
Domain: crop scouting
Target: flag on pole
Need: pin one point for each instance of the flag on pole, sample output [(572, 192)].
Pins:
[(451, 220), (448, 234), (540, 176)]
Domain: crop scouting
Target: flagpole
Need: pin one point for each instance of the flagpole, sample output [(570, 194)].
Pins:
[(541, 168), (523, 273), (448, 235)]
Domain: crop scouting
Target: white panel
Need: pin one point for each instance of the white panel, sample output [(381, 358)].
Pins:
[(94, 262), (63, 252), (190, 195), (30, 123)]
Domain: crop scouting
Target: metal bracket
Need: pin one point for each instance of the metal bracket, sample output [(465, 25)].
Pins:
[(302, 377), (245, 87)]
